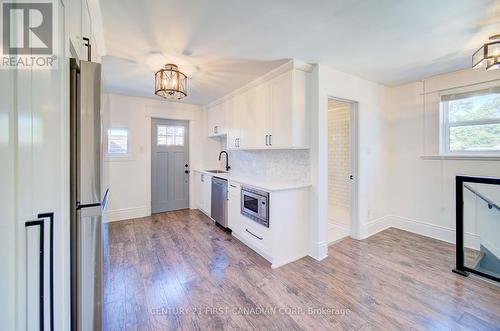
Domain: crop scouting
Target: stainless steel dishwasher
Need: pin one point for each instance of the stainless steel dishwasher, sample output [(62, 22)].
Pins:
[(219, 201)]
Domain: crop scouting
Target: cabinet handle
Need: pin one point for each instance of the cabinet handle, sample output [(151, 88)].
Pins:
[(267, 137), (270, 140), (254, 235), (216, 129), (89, 48), (202, 178), (232, 185)]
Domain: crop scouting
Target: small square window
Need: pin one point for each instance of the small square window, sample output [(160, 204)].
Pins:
[(170, 135), (117, 142)]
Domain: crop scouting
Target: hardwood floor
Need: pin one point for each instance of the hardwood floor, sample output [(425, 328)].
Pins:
[(178, 270)]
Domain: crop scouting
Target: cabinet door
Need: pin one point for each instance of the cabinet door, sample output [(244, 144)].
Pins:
[(86, 28), (75, 27), (282, 111), (232, 125), (246, 117), (257, 124), (239, 109), (207, 193), (198, 190), (234, 206), (212, 114)]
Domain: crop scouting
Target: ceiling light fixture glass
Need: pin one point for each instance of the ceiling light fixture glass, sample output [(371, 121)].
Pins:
[(488, 55), (170, 83)]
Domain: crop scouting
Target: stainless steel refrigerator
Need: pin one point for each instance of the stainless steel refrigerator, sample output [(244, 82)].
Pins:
[(86, 203)]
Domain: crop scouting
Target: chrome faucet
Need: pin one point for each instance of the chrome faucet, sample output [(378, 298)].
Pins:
[(227, 159)]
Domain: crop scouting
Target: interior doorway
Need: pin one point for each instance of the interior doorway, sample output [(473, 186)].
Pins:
[(169, 165), (342, 152)]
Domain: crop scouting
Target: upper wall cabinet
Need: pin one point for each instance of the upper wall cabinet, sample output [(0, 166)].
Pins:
[(80, 26), (216, 119), (270, 113), (289, 110)]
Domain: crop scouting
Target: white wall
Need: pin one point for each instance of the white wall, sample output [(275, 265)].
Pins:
[(373, 152), (422, 189), (129, 179)]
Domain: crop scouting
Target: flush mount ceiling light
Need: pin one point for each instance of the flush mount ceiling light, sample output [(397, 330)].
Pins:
[(488, 55), (170, 83)]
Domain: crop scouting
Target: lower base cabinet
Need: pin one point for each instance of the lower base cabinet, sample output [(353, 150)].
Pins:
[(203, 191), (286, 239)]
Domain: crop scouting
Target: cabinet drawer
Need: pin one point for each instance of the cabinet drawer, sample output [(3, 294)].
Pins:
[(234, 189), (256, 234)]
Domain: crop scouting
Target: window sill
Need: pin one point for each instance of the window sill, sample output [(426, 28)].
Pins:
[(461, 157)]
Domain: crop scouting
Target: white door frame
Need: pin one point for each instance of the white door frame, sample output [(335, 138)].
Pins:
[(354, 230)]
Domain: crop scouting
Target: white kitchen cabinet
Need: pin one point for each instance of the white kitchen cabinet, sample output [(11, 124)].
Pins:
[(203, 186), (80, 26), (256, 122), (75, 25), (288, 214), (289, 110), (234, 206), (270, 114), (216, 119), (237, 117)]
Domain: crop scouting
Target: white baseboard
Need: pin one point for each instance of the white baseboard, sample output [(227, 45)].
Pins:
[(433, 231), (337, 231), (128, 213), (320, 251), (376, 225)]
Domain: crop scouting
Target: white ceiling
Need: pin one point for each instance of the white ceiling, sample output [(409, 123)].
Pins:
[(222, 44)]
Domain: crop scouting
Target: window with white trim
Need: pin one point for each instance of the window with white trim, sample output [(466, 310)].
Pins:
[(471, 122), (169, 135), (118, 142)]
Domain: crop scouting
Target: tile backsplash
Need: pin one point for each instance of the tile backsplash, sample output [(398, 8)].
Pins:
[(283, 165)]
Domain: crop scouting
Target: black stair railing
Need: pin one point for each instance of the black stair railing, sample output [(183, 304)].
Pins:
[(461, 183)]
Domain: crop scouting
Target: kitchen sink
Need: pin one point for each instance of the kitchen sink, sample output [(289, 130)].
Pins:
[(217, 171)]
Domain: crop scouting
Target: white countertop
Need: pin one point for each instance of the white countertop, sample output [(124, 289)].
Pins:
[(263, 184)]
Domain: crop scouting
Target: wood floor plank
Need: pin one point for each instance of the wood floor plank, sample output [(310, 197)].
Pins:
[(179, 271)]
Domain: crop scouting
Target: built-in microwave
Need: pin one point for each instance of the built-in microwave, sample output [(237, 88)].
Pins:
[(255, 205)]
